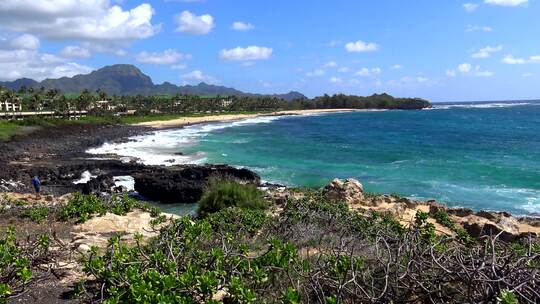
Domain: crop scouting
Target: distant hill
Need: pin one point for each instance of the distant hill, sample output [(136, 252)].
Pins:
[(126, 79)]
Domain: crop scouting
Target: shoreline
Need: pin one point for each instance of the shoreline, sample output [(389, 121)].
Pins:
[(187, 121)]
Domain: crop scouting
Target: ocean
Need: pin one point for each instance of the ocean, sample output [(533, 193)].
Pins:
[(475, 155)]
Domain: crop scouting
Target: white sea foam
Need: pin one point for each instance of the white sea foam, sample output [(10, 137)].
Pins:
[(159, 147), (125, 181), (480, 105), (86, 176)]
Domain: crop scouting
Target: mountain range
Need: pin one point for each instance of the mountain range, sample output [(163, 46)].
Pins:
[(126, 79)]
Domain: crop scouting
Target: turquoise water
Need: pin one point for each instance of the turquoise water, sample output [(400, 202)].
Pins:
[(482, 156)]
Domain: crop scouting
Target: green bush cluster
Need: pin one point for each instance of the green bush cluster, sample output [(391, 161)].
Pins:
[(17, 261), (83, 207), (314, 251), (222, 193), (36, 214)]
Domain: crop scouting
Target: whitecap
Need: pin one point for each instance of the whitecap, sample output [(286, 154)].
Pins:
[(159, 147), (86, 176)]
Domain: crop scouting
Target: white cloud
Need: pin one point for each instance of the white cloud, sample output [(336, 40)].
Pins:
[(192, 24), (75, 52), (365, 72), (179, 66), (169, 56), (507, 2), (334, 43), (242, 26), (421, 79), (483, 74), (397, 67), (316, 73), (464, 68), (198, 76), (344, 69), (361, 46), (527, 75), (25, 42), (486, 51), (330, 64), (335, 80), (32, 64), (470, 7), (475, 28), (249, 53), (91, 20), (467, 69), (509, 59)]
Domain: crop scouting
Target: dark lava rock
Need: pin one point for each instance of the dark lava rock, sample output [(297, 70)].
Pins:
[(102, 183), (185, 184), (460, 212)]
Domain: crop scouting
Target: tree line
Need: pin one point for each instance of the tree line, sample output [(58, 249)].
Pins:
[(100, 103)]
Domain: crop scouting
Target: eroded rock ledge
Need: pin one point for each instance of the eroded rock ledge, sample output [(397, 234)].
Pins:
[(477, 224)]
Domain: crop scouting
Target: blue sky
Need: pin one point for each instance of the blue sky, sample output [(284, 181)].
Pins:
[(441, 50)]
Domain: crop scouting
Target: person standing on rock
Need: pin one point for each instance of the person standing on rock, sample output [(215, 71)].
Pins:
[(37, 186)]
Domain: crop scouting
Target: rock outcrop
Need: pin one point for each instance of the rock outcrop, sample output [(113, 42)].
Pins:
[(185, 184), (482, 223), (350, 191)]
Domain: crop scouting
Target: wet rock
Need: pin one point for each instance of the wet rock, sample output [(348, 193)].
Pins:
[(102, 183), (185, 184), (460, 212), (350, 191)]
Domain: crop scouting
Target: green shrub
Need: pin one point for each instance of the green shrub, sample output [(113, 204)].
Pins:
[(82, 207), (36, 214), (220, 194), (18, 260)]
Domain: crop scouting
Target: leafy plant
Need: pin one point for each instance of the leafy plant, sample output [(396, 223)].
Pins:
[(36, 214), (223, 193)]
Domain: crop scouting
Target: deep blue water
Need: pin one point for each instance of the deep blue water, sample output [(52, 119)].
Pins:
[(482, 156)]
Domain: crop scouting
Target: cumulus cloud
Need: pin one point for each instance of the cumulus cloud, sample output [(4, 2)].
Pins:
[(315, 73), (477, 28), (90, 20), (344, 69), (32, 64), (169, 56), (397, 67), (365, 72), (190, 23), (242, 26), (25, 42), (470, 7), (507, 2), (75, 52), (486, 51), (330, 64), (249, 53), (198, 76), (335, 80), (465, 67), (361, 46), (509, 59)]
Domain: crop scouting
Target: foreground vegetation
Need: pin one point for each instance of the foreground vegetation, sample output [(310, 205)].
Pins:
[(243, 249)]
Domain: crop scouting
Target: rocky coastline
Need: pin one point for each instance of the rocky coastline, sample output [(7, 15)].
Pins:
[(57, 155)]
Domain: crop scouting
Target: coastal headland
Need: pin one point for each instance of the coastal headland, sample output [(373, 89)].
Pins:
[(58, 156)]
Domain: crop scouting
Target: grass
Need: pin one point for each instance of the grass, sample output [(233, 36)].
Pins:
[(9, 129)]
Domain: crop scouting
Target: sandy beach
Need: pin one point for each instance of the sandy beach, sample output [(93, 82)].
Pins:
[(161, 124)]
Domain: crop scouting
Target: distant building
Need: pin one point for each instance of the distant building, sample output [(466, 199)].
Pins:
[(10, 105)]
